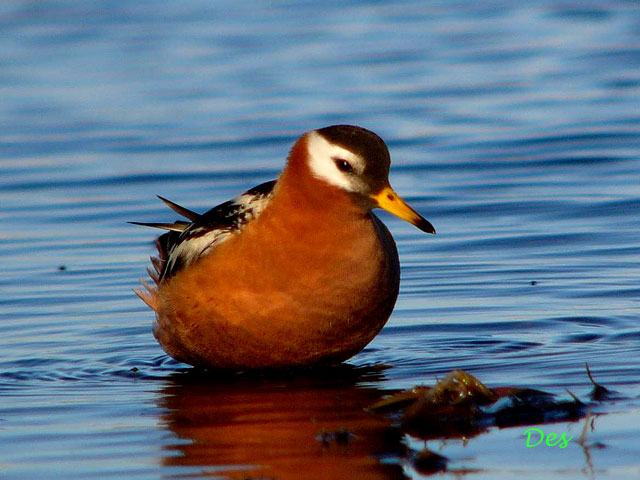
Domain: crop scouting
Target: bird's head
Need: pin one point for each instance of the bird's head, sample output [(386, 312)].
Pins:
[(357, 161)]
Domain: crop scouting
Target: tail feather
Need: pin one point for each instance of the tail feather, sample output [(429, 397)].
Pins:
[(157, 264), (185, 212), (153, 275), (147, 294), (178, 226), (164, 244)]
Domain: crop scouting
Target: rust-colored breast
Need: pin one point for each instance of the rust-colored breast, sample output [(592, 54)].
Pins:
[(312, 280)]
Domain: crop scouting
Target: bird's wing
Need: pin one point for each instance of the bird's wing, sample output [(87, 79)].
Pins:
[(185, 242)]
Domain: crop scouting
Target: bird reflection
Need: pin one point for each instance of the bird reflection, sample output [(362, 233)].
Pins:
[(310, 425)]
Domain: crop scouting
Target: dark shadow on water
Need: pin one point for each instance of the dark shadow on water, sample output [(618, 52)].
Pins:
[(308, 424)]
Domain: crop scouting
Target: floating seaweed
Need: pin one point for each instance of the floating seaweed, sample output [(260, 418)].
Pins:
[(461, 406), (599, 393), (429, 462)]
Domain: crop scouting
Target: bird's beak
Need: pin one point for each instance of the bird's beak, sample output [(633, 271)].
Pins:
[(389, 200)]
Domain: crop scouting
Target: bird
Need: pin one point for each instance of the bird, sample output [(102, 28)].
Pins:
[(295, 272)]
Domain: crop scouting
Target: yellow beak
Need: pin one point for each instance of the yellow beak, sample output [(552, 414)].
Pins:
[(389, 200)]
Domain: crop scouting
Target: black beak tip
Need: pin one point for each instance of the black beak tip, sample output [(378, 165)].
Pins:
[(425, 226)]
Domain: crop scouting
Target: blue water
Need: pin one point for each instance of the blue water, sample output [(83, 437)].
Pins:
[(514, 127)]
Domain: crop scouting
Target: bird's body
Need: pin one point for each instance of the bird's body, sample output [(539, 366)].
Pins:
[(294, 272)]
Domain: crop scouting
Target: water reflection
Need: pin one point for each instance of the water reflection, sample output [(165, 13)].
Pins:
[(310, 425)]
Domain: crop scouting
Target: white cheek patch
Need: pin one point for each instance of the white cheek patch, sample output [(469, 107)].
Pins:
[(322, 164)]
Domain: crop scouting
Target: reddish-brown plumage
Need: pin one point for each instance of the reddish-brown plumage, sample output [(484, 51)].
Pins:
[(312, 280)]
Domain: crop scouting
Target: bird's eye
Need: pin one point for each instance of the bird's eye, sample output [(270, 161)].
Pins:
[(343, 165)]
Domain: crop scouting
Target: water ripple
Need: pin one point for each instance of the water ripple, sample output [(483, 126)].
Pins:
[(512, 126)]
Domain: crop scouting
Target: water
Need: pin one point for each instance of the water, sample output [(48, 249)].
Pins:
[(514, 127)]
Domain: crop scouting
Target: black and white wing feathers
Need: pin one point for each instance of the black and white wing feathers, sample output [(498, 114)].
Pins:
[(185, 242)]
